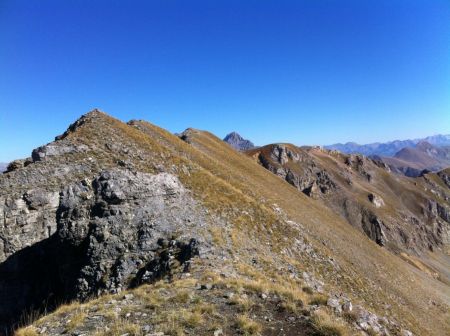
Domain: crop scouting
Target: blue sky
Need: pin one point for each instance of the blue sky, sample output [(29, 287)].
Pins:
[(306, 72)]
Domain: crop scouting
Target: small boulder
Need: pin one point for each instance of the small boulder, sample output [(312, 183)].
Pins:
[(376, 200), (347, 307)]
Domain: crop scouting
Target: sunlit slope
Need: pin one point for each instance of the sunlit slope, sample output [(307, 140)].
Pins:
[(367, 270)]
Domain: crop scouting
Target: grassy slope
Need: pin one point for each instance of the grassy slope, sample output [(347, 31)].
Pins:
[(375, 274)]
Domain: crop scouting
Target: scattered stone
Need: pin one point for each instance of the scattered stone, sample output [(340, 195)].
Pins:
[(207, 286), (347, 307), (335, 304), (228, 295), (376, 200), (218, 332)]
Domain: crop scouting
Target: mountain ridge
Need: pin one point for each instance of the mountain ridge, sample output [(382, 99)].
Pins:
[(223, 237), (387, 148)]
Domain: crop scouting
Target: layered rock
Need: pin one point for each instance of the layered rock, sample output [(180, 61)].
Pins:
[(118, 230), (302, 172)]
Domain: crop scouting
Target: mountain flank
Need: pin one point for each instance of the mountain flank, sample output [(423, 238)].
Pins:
[(124, 228), (391, 210)]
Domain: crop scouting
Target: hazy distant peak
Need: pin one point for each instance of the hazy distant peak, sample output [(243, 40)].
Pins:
[(389, 148), (235, 140)]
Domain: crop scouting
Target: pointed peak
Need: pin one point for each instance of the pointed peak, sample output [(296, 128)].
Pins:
[(238, 142), (233, 135), (94, 114)]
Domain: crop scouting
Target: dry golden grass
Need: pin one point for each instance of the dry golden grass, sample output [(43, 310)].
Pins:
[(318, 299), (121, 327), (29, 331), (247, 325), (420, 265), (75, 320), (325, 325), (242, 303), (192, 319)]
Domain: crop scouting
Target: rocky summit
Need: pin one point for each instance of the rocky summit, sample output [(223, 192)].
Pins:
[(126, 229), (238, 142)]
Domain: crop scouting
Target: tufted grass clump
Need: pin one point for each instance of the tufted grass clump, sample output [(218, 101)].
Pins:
[(325, 325), (28, 331), (247, 326), (319, 300)]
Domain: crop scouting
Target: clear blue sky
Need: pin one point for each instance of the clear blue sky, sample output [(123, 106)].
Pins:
[(306, 72)]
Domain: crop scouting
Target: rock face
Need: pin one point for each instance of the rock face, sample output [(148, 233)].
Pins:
[(26, 219), (238, 142), (302, 172), (118, 230), (42, 153), (445, 176)]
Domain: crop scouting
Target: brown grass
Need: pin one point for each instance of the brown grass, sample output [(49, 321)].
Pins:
[(325, 325), (247, 325), (28, 331)]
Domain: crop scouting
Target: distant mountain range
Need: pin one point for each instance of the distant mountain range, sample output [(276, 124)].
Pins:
[(412, 161), (238, 142), (389, 148), (408, 157), (3, 166)]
